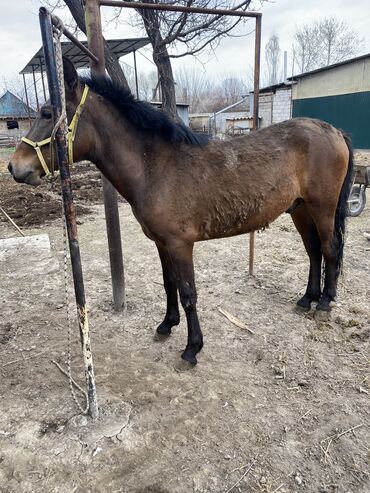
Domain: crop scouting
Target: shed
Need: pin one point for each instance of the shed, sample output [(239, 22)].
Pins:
[(275, 103), (182, 110), (14, 116), (338, 94)]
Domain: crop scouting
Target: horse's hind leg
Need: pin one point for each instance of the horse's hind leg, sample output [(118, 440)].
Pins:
[(325, 220), (308, 231), (172, 316)]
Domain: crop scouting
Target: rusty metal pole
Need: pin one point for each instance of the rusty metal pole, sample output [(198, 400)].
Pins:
[(35, 87), (27, 101), (68, 204), (42, 79), (176, 8), (256, 90), (96, 46), (136, 80)]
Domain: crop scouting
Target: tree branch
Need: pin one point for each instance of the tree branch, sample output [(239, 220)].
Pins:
[(111, 62)]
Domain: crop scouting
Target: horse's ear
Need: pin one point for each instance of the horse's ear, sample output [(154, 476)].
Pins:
[(70, 75)]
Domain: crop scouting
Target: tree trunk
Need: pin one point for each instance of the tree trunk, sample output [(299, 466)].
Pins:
[(162, 61), (111, 62)]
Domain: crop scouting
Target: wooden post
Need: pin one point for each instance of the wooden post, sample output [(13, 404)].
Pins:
[(96, 46)]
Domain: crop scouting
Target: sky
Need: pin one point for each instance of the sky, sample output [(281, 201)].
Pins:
[(20, 35)]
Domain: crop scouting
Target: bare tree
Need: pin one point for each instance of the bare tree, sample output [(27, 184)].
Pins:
[(339, 41), (206, 94), (147, 85), (186, 34), (324, 42), (272, 56), (232, 89), (192, 87), (77, 11), (15, 86), (306, 47)]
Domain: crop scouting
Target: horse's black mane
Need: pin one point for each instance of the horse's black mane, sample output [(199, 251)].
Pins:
[(141, 114)]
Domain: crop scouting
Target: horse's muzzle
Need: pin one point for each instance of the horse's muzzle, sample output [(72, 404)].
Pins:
[(29, 177)]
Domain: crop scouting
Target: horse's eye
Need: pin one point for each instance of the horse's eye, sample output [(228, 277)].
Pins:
[(46, 114)]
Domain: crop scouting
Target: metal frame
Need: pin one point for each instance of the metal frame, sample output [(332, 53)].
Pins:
[(227, 12)]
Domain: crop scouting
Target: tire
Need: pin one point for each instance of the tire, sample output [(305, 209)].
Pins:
[(356, 201)]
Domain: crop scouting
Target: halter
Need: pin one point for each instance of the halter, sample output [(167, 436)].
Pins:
[(72, 127)]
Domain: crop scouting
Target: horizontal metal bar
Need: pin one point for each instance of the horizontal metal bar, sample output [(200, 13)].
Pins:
[(80, 45), (56, 23), (177, 8)]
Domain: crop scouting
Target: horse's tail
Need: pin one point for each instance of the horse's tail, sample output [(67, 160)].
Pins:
[(341, 212)]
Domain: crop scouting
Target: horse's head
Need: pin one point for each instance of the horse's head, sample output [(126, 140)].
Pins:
[(31, 159)]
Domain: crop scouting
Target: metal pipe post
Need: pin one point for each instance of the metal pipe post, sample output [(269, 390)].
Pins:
[(35, 87), (42, 79), (176, 8), (96, 46), (28, 103), (136, 80), (256, 90), (69, 207)]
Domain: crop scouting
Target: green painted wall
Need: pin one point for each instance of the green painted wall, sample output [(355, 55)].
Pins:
[(349, 112)]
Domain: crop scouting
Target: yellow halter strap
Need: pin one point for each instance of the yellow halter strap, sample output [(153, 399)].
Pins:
[(72, 127)]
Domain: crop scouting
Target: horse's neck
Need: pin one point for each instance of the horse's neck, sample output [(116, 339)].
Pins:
[(118, 151)]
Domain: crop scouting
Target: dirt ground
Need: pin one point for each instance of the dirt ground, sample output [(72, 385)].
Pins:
[(285, 409)]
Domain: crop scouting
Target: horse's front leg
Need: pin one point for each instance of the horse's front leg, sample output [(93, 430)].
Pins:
[(172, 316), (182, 259)]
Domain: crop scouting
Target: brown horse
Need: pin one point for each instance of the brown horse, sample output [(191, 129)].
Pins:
[(183, 188)]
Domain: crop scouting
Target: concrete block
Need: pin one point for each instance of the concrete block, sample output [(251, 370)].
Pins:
[(27, 256)]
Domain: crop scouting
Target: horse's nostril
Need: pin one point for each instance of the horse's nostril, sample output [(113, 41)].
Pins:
[(10, 167)]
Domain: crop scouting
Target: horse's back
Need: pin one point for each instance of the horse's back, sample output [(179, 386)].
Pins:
[(243, 184)]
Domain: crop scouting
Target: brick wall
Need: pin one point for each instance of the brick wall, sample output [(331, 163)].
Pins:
[(16, 133), (282, 105), (264, 109)]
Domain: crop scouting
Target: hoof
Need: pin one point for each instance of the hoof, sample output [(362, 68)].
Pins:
[(163, 331), (322, 315), (184, 365), (302, 309), (304, 303), (160, 337)]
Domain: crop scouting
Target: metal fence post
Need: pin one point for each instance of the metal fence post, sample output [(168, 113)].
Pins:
[(68, 204), (256, 90)]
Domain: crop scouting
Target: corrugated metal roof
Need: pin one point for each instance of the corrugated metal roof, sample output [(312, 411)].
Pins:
[(120, 47), (329, 67), (13, 107), (274, 87), (292, 80)]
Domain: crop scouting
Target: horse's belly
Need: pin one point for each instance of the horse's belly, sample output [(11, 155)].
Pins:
[(236, 222), (236, 226)]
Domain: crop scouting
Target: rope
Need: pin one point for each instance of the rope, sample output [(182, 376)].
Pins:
[(57, 33)]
